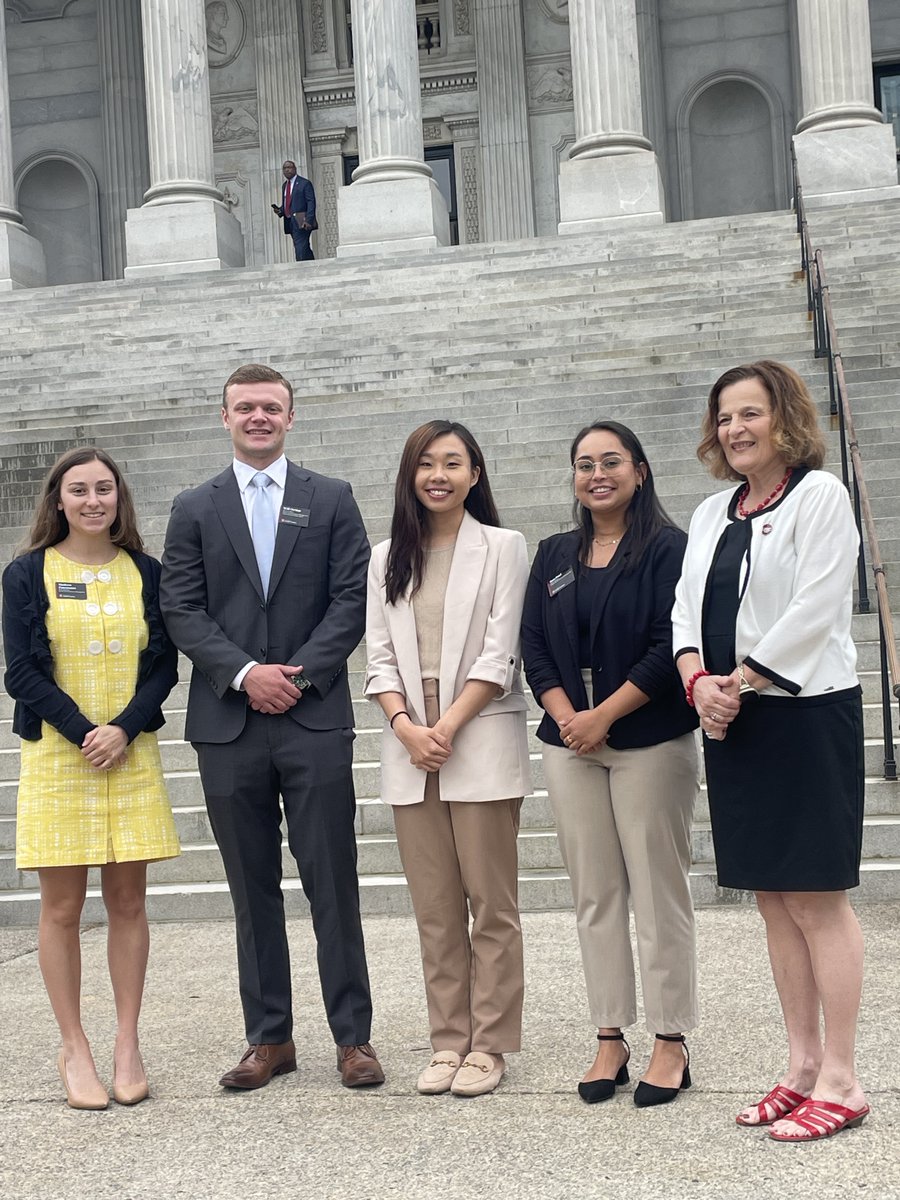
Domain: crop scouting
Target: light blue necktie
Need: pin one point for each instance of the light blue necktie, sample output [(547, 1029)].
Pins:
[(262, 527)]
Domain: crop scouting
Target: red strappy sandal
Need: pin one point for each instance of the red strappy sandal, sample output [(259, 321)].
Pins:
[(821, 1119), (777, 1104)]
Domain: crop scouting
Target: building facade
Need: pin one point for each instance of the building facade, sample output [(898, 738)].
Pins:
[(139, 136)]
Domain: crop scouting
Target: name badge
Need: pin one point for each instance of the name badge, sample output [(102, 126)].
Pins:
[(558, 582), (295, 516), (71, 591)]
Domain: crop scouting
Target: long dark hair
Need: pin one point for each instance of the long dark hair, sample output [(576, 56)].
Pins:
[(406, 556), (50, 525), (644, 517)]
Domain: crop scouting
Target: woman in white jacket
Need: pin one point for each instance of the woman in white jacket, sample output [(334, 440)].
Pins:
[(761, 636), (442, 635)]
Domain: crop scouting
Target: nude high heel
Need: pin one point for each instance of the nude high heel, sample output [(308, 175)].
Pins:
[(97, 1099), (130, 1093)]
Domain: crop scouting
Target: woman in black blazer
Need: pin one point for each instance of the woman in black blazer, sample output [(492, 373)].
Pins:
[(620, 759)]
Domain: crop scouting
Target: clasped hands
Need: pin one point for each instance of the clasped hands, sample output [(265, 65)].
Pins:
[(428, 747), (105, 747), (585, 731), (269, 687), (717, 701)]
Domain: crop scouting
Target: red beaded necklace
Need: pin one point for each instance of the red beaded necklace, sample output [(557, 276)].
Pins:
[(768, 500)]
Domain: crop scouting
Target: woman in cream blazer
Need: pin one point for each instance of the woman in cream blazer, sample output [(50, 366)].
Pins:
[(444, 608)]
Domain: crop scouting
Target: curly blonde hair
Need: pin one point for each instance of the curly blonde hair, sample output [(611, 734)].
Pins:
[(795, 425)]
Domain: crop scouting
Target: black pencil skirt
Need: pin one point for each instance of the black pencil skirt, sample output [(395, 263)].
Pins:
[(786, 794)]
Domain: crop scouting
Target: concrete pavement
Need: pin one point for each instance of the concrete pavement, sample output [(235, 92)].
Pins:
[(306, 1137)]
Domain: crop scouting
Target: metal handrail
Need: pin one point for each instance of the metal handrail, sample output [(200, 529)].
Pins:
[(818, 299)]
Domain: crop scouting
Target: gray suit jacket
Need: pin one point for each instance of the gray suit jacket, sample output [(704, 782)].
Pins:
[(314, 614)]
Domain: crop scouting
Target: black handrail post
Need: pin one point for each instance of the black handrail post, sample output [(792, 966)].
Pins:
[(890, 761)]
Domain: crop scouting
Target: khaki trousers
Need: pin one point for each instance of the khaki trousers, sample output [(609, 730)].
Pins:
[(623, 819), (460, 857)]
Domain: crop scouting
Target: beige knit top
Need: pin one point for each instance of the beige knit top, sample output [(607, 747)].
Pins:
[(428, 608)]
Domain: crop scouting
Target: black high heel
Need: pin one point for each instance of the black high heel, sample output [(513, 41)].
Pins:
[(646, 1095), (595, 1090)]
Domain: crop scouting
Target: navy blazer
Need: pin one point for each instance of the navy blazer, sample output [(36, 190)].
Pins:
[(631, 637), (29, 661), (303, 202)]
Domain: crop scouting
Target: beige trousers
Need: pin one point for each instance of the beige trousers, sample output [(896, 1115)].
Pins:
[(460, 857), (623, 818)]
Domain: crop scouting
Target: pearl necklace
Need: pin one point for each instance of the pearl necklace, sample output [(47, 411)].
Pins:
[(743, 512), (610, 542)]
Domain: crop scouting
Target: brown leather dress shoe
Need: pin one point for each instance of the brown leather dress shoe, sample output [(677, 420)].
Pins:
[(359, 1066), (259, 1064)]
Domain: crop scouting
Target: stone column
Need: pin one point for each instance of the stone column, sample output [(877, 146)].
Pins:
[(125, 154), (328, 179), (612, 174), (393, 202), (282, 110), (467, 165), (507, 189), (652, 74), (21, 256), (183, 224), (845, 153)]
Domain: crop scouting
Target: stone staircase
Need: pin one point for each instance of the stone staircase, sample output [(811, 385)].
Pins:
[(525, 342)]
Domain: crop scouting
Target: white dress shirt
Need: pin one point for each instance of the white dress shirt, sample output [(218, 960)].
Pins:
[(244, 474)]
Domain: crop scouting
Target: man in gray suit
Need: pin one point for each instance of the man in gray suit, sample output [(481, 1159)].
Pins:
[(264, 589)]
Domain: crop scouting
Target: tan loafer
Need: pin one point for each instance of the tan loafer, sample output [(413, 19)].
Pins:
[(439, 1074), (479, 1074)]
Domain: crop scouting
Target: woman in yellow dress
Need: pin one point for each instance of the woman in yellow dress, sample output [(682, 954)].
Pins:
[(89, 665)]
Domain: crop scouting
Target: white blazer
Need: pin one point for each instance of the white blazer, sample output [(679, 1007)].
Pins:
[(482, 616), (793, 623)]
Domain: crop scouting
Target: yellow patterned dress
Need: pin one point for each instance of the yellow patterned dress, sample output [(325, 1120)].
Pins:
[(69, 813)]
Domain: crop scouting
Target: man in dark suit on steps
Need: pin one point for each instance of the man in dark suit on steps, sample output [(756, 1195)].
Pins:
[(264, 589), (298, 210)]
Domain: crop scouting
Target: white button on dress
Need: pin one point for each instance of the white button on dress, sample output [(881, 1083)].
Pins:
[(95, 647), (92, 610), (115, 646), (110, 608)]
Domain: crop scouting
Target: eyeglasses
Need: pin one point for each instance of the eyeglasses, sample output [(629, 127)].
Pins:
[(609, 464)]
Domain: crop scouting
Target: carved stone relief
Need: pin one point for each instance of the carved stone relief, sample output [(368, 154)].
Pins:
[(226, 28), (318, 28), (470, 192), (556, 10), (432, 131), (550, 85), (329, 203), (37, 10), (235, 121), (462, 19)]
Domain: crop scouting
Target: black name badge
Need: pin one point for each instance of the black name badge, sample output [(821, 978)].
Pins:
[(558, 582), (295, 516), (71, 591)]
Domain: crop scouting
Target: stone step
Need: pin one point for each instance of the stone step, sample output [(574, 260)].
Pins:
[(184, 789), (178, 755), (378, 856), (539, 891)]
